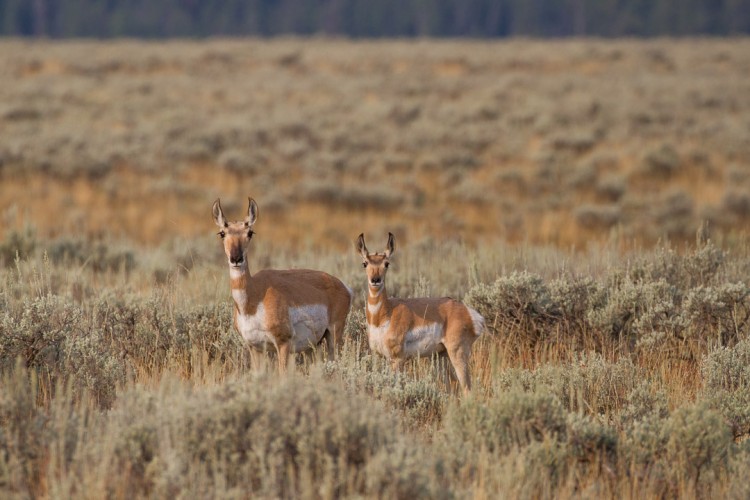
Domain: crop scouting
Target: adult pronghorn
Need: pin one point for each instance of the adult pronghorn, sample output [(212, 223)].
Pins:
[(290, 310), (404, 328)]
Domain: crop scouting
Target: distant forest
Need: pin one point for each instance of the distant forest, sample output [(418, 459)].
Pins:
[(373, 18)]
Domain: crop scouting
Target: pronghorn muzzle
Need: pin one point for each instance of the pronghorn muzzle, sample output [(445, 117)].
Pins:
[(236, 257)]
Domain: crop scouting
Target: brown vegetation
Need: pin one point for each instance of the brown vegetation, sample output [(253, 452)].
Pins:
[(610, 371), (559, 142)]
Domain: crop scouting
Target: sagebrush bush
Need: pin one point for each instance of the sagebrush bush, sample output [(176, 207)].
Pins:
[(599, 377), (698, 445), (587, 384), (264, 437), (718, 313), (513, 419), (519, 304), (726, 384)]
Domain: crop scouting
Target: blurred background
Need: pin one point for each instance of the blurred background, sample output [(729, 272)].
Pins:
[(565, 123)]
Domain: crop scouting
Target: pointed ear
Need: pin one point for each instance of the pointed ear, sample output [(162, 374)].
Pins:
[(361, 248), (252, 212), (219, 214), (390, 246)]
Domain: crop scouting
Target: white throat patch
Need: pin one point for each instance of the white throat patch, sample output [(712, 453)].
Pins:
[(235, 273), (373, 309)]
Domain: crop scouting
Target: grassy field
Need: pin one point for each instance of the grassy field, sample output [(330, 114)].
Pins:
[(561, 143), (589, 198)]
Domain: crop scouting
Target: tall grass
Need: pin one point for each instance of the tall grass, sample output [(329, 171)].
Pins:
[(603, 375)]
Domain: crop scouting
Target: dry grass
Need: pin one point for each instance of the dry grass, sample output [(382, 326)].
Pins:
[(616, 369), (600, 376), (560, 143)]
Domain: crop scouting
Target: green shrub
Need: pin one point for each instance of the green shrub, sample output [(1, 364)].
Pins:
[(718, 312), (698, 445), (35, 332), (726, 384), (643, 403), (270, 438), (21, 244), (588, 384), (513, 419), (520, 303)]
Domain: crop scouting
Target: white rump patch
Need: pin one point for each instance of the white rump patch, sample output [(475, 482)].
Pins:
[(309, 323), (423, 340), (477, 320)]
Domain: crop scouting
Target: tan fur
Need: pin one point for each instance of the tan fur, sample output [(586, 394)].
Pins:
[(278, 291), (395, 318)]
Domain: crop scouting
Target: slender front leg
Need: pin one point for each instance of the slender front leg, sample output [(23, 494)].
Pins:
[(397, 364), (256, 359), (283, 352)]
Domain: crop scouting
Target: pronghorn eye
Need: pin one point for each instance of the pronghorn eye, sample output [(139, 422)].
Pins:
[(221, 234), (364, 264), (387, 264), (250, 234)]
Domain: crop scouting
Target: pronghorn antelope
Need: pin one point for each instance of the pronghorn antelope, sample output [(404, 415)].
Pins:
[(290, 310), (404, 328)]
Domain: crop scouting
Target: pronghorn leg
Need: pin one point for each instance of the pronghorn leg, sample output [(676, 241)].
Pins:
[(328, 337), (256, 359), (443, 367), (283, 353), (336, 335), (397, 364), (459, 356)]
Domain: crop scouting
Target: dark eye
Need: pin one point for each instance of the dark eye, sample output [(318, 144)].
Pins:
[(387, 264), (221, 234), (364, 264), (250, 234)]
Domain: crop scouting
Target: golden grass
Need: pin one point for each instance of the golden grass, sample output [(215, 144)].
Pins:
[(479, 140)]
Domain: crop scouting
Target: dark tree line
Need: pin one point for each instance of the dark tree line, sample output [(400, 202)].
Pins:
[(373, 18)]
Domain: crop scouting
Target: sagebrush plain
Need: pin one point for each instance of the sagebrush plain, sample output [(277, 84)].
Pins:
[(589, 198)]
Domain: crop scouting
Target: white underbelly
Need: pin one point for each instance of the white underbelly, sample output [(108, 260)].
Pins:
[(419, 341), (424, 340), (309, 324)]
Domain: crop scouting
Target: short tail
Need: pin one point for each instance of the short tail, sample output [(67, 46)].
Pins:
[(477, 320)]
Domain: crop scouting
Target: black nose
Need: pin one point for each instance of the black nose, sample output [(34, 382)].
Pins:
[(236, 259), (375, 281)]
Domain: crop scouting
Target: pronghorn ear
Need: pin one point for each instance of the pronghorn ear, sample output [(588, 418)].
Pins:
[(219, 214), (390, 246), (361, 248), (252, 212)]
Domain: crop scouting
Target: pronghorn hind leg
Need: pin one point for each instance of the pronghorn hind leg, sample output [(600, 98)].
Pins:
[(444, 370), (459, 354), (283, 352), (329, 340)]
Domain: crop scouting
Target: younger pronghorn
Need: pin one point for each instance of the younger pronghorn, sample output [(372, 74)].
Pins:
[(404, 328), (289, 311)]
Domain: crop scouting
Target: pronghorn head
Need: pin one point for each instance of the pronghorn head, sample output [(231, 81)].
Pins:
[(375, 264), (236, 235)]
